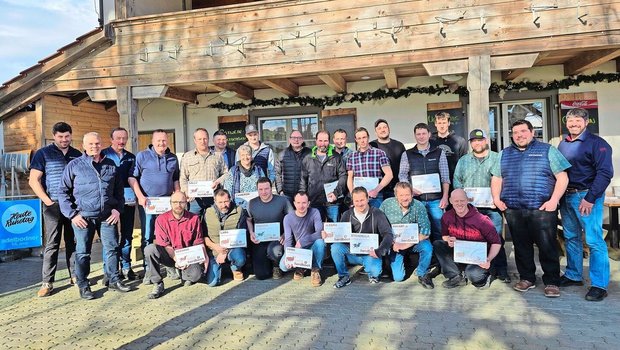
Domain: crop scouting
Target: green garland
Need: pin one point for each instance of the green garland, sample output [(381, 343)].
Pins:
[(382, 94)]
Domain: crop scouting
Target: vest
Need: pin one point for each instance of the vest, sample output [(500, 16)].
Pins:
[(528, 181), (291, 170), (262, 158), (421, 165)]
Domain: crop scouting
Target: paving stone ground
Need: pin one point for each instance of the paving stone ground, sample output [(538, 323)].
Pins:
[(286, 314)]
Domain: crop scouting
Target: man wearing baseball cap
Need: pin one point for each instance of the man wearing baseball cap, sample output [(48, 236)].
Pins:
[(262, 154), (473, 171)]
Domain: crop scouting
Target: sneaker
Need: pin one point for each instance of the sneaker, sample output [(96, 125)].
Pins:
[(237, 275), (277, 273), (567, 282), (173, 273), (46, 290), (105, 281), (434, 271), (552, 291), (426, 281), (147, 278), (503, 276), (596, 294), (298, 275), (456, 281), (87, 294), (523, 286), (158, 291), (129, 274), (486, 283), (315, 278), (119, 287), (374, 280), (342, 282)]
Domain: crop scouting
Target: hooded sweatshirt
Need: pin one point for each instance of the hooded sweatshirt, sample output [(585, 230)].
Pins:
[(375, 222), (474, 226)]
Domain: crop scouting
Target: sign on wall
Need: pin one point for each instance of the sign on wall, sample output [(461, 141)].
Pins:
[(21, 224), (457, 118), (234, 127), (587, 101)]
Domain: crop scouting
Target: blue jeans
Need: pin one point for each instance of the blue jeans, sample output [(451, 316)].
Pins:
[(376, 202), (476, 274), (236, 257), (318, 253), (83, 245), (500, 262), (341, 254), (434, 214), (397, 260), (574, 224), (329, 213), (147, 225)]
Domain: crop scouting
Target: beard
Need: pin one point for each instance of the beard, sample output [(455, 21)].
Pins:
[(484, 149)]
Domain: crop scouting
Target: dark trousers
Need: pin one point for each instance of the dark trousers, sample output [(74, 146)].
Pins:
[(155, 255), (126, 221), (55, 226), (445, 254), (265, 256), (529, 227)]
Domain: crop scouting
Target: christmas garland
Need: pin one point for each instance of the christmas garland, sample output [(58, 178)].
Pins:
[(381, 94)]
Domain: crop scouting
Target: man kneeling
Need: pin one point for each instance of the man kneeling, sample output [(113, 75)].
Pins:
[(464, 222), (175, 229)]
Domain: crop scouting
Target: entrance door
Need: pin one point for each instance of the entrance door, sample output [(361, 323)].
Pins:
[(502, 115)]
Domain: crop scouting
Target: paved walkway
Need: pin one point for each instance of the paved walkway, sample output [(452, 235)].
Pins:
[(286, 314)]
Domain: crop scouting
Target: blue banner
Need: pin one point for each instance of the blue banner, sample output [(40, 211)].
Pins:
[(21, 224)]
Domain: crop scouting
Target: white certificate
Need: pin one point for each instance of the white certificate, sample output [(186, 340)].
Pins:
[(267, 232), (337, 232), (157, 205), (243, 198), (427, 183), (189, 255), (480, 197), (330, 187), (406, 233), (130, 196), (468, 252), (233, 238), (364, 243), (298, 257), (369, 183), (196, 189)]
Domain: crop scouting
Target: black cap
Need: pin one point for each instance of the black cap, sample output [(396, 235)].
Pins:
[(379, 121), (477, 134)]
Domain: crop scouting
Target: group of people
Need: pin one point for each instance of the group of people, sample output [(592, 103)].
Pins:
[(376, 186)]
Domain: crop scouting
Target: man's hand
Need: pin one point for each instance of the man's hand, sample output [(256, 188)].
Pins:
[(373, 254), (297, 245), (485, 265), (281, 239), (48, 202), (500, 204), (114, 217), (323, 234), (180, 267), (331, 197), (253, 238), (215, 184), (416, 192), (373, 193), (443, 203), (79, 221), (450, 241), (399, 246), (585, 207), (220, 258), (142, 201), (550, 205)]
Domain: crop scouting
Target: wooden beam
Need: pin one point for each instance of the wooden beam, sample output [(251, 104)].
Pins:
[(512, 74), (102, 95), (243, 92), (335, 81), (513, 61), (127, 108), (79, 98), (391, 79), (148, 92), (446, 67), (180, 95), (478, 82), (588, 60), (283, 85)]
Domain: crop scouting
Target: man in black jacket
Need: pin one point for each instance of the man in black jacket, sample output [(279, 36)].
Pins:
[(288, 166), (220, 145)]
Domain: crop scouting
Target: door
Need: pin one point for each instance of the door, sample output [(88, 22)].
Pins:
[(503, 115)]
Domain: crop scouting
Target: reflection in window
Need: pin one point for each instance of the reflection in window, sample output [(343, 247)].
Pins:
[(276, 130)]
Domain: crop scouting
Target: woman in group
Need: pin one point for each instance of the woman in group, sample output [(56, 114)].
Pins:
[(243, 176)]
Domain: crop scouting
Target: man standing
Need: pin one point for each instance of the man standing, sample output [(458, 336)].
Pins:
[(582, 205), (262, 154), (91, 195), (156, 174), (201, 164), (175, 229), (288, 166), (302, 229), (474, 171), (363, 219), (528, 184), (369, 162), (403, 209), (267, 208), (324, 166), (425, 159), (220, 142), (464, 222), (223, 215), (452, 144), (125, 162), (46, 170), (340, 144), (393, 150)]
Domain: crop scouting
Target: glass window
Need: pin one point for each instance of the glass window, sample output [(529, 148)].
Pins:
[(276, 130)]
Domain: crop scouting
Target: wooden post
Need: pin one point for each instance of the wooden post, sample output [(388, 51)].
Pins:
[(127, 108), (478, 82)]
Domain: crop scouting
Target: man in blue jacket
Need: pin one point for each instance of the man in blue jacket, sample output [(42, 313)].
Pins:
[(91, 195)]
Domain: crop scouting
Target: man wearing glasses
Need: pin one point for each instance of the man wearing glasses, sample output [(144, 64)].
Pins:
[(288, 166)]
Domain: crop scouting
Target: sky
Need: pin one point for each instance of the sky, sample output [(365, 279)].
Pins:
[(31, 30)]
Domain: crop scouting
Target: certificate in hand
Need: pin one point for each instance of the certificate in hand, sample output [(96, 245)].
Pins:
[(157, 205), (243, 198), (298, 257), (267, 232), (199, 189), (480, 197), (330, 187), (468, 252), (233, 238), (406, 233), (130, 196), (427, 183), (337, 232), (190, 255), (369, 183), (363, 243)]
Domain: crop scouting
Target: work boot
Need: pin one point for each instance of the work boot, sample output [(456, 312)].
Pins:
[(158, 291), (46, 289), (315, 278)]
